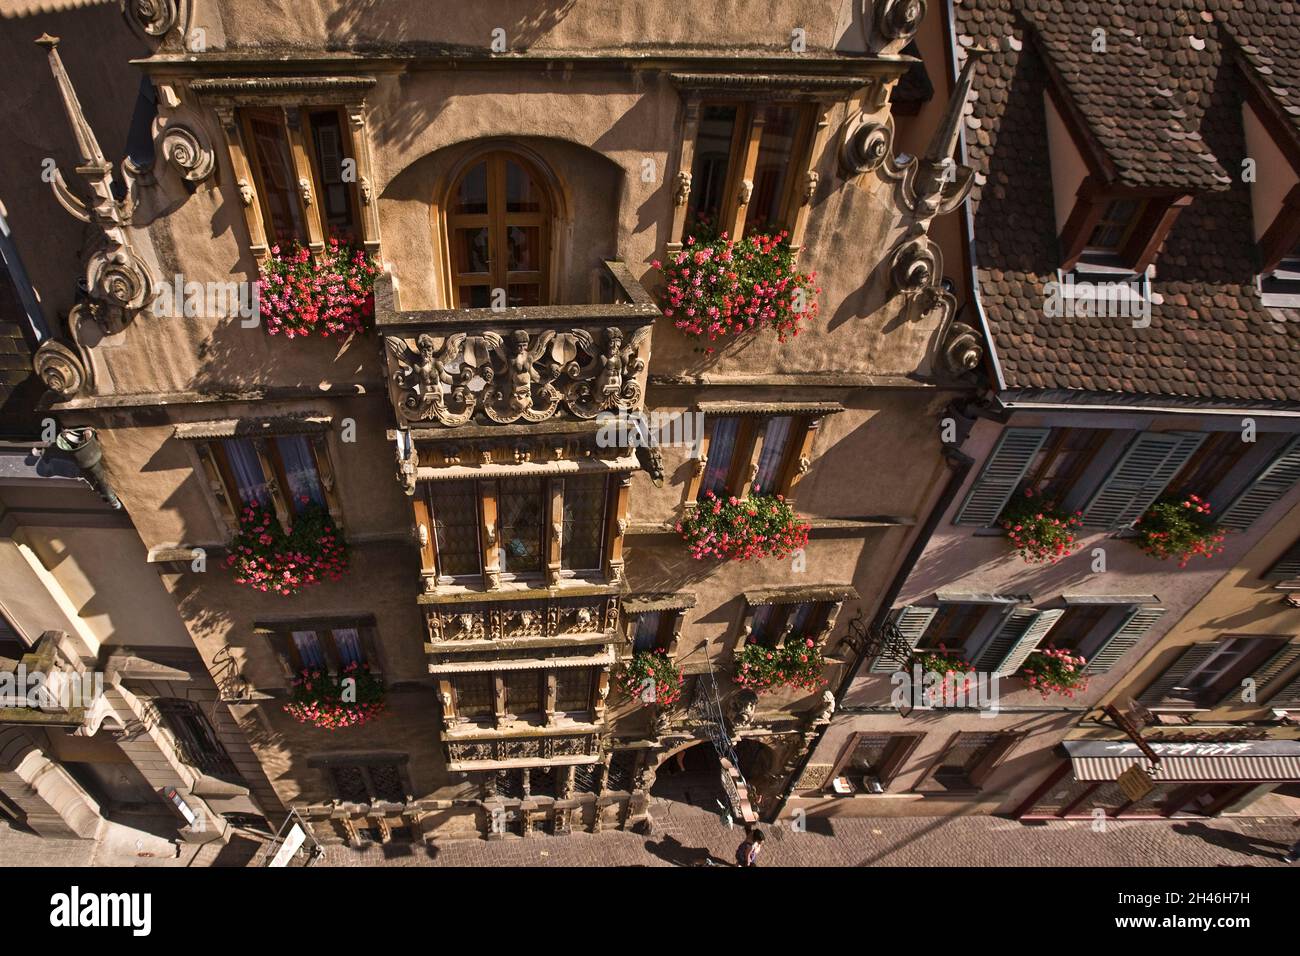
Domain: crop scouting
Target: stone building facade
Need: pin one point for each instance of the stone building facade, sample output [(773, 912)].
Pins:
[(516, 171)]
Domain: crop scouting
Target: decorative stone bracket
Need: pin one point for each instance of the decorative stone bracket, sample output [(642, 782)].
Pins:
[(119, 283)]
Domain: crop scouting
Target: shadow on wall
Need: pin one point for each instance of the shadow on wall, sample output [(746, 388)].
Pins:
[(376, 23)]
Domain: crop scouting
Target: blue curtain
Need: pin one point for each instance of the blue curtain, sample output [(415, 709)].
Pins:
[(309, 649), (775, 438), (722, 444), (348, 643), (249, 480), (647, 631), (300, 471)]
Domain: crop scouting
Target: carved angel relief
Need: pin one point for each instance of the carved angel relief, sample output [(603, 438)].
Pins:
[(522, 376)]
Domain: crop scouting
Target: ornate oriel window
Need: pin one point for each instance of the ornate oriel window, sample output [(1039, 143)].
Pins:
[(498, 221), (775, 614), (533, 696), (520, 528)]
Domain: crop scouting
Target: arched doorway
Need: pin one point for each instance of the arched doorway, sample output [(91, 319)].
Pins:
[(499, 217), (691, 774)]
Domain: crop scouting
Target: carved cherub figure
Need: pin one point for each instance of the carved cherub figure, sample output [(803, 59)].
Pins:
[(517, 391), (422, 372)]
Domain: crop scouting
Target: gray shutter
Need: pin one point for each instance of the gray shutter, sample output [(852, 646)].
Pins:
[(1268, 674), (1177, 672), (1146, 467), (1270, 485), (1288, 698), (1124, 639), (1021, 632), (1287, 566), (912, 623), (1001, 475)]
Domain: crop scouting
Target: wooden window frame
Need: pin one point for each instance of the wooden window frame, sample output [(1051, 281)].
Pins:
[(549, 223), (977, 775), (894, 762), (490, 575), (742, 162), (502, 717), (670, 629), (1053, 448), (1218, 475), (294, 120), (279, 635), (214, 462), (347, 145), (1146, 234), (748, 450)]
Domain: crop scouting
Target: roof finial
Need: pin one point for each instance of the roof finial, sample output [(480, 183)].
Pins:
[(91, 154)]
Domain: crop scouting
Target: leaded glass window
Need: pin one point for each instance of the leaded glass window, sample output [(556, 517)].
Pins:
[(584, 523)]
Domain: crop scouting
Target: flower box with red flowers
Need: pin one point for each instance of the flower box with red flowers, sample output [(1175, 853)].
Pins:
[(797, 663), (652, 678), (331, 293), (737, 529), (350, 698), (954, 671), (1179, 526), (1038, 529), (1054, 671), (266, 558), (717, 288)]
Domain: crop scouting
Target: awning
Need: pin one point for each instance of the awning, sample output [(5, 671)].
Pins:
[(1257, 761)]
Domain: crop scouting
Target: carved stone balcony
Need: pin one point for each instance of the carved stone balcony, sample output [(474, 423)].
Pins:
[(505, 752), (457, 368)]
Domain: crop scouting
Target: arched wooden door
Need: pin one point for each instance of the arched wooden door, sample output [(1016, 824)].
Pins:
[(499, 232)]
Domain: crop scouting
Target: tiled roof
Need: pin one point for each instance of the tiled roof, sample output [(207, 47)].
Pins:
[(19, 387), (1210, 336), (1268, 34)]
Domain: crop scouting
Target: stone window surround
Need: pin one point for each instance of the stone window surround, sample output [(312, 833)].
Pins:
[(754, 415), (830, 597), (231, 96), (201, 437)]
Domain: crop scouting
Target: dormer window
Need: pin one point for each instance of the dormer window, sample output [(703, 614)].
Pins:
[(1115, 227)]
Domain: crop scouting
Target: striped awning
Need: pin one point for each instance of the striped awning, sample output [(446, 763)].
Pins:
[(1258, 761)]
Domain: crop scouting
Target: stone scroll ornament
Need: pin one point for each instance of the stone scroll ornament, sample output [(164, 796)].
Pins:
[(520, 375)]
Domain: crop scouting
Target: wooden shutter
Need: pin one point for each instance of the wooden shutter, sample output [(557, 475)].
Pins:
[(912, 623), (1287, 566), (1002, 473), (1021, 632), (1177, 672), (1124, 638), (1147, 466), (1270, 485), (997, 752)]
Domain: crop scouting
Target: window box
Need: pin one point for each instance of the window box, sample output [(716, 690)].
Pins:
[(267, 558), (758, 526), (349, 698), (1038, 529), (1179, 527), (1054, 671), (798, 663), (652, 678), (719, 288), (327, 294)]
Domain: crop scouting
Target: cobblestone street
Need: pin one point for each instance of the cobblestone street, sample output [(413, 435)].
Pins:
[(687, 836)]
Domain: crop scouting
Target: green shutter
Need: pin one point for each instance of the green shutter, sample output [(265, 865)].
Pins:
[(1001, 475), (1270, 485), (1176, 673), (1124, 638), (1021, 632), (912, 623), (1146, 467)]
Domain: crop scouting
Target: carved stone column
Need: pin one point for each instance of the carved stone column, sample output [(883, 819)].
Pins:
[(365, 177)]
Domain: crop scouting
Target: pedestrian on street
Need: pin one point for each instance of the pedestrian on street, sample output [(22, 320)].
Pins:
[(1293, 854), (747, 852)]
